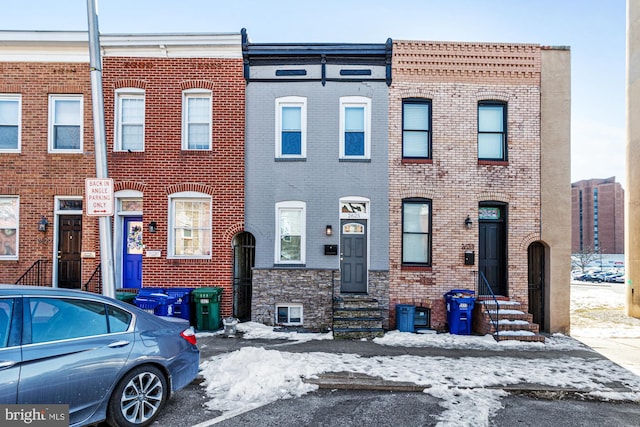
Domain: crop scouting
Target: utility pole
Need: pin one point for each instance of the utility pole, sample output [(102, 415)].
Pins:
[(97, 103)]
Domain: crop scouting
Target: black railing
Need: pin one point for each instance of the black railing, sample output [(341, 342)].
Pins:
[(484, 290), (37, 275), (94, 284)]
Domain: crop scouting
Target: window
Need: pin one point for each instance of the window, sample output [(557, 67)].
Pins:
[(291, 127), (290, 314), (65, 123), (416, 129), (492, 130), (196, 120), (9, 206), (10, 123), (129, 126), (6, 313), (54, 319), (355, 125), (190, 235), (290, 232), (416, 232)]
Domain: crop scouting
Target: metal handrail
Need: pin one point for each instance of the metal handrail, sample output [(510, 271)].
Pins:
[(94, 284), (484, 288), (35, 275)]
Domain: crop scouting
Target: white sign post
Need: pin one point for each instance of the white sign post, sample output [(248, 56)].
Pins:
[(99, 196)]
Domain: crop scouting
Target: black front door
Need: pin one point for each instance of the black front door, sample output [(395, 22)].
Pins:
[(353, 256), (69, 251), (536, 283), (492, 248), (244, 249)]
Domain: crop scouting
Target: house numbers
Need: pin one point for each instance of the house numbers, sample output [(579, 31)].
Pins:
[(468, 246)]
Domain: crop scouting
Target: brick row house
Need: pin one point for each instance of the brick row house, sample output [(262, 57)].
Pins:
[(174, 120), (320, 185), (479, 176)]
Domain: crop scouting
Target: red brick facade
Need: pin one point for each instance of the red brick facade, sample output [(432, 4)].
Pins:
[(37, 176)]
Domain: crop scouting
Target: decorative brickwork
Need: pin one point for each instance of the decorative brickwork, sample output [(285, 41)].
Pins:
[(455, 76)]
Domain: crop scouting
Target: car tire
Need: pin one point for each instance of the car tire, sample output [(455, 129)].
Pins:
[(138, 397)]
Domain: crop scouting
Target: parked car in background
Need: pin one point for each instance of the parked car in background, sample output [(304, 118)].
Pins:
[(106, 359)]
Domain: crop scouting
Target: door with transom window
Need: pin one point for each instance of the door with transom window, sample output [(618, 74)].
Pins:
[(353, 255)]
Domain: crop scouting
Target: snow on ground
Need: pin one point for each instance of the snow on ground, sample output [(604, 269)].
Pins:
[(253, 376)]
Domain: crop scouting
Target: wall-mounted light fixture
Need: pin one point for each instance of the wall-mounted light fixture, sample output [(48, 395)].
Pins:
[(42, 224), (153, 227), (468, 223), (328, 231)]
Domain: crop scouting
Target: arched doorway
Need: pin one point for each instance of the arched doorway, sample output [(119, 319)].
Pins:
[(536, 283), (243, 261)]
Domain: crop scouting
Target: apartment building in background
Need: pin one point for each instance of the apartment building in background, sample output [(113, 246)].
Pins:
[(597, 216)]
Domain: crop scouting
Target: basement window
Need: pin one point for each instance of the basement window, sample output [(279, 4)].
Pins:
[(289, 314)]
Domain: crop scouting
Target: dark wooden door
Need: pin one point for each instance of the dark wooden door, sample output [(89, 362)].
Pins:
[(492, 255), (353, 256), (536, 283), (69, 251)]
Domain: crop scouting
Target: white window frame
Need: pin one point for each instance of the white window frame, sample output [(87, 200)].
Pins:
[(186, 96), (52, 113), (291, 101), (172, 226), (289, 306), (122, 94), (16, 255), (356, 101), (14, 98), (291, 206)]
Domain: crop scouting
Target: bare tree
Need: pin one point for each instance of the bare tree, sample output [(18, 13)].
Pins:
[(583, 258)]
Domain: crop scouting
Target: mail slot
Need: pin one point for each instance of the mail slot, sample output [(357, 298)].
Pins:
[(469, 258)]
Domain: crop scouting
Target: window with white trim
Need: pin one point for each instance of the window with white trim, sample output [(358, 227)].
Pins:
[(492, 130), (10, 123), (355, 127), (129, 126), (291, 127), (9, 227), (196, 119), (290, 232), (189, 225), (65, 123), (289, 314)]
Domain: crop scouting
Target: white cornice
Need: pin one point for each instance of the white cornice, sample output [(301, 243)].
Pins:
[(73, 46)]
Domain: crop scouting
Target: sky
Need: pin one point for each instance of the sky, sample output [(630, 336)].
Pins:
[(242, 380), (595, 31)]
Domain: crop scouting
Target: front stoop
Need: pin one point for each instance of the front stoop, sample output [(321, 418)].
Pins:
[(357, 317), (513, 323)]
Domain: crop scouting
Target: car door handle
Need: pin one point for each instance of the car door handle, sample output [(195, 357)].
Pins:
[(7, 364), (117, 344)]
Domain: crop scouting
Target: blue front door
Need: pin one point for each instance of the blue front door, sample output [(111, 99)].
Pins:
[(132, 253)]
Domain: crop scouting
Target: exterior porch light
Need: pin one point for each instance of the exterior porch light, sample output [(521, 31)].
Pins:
[(42, 224), (153, 227), (468, 223), (328, 231)]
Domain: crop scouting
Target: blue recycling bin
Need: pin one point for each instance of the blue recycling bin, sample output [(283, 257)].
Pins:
[(405, 317), (182, 305), (460, 310), (157, 303)]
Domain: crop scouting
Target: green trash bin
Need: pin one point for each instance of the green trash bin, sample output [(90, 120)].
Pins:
[(126, 296), (207, 302)]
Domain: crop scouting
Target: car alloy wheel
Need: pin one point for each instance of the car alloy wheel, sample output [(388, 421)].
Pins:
[(138, 397)]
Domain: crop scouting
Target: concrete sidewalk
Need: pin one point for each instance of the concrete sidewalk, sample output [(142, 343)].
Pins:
[(211, 345)]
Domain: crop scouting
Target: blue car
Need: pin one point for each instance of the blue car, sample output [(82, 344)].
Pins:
[(106, 359)]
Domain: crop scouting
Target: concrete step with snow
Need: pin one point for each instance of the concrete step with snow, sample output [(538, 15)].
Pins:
[(512, 322)]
